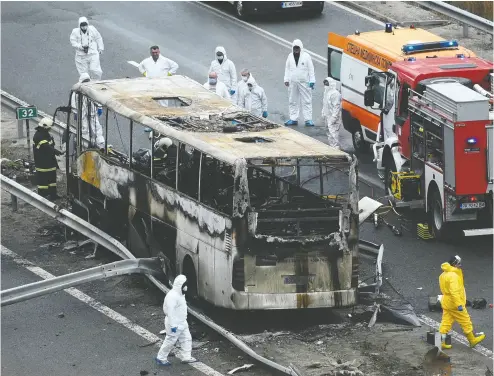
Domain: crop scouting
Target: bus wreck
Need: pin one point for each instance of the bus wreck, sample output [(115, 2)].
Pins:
[(256, 215)]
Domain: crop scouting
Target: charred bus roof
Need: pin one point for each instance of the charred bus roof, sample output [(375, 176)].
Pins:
[(183, 109)]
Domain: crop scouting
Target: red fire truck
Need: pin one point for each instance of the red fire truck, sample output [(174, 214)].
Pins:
[(435, 140)]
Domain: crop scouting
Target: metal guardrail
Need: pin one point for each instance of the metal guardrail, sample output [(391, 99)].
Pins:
[(113, 245), (466, 18), (47, 286), (8, 100), (66, 217)]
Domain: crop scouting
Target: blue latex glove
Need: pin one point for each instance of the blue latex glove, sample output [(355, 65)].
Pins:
[(311, 85), (265, 114), (232, 92), (460, 308), (100, 111), (174, 330)]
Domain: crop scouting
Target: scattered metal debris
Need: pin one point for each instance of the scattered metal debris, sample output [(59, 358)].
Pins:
[(61, 315), (245, 367)]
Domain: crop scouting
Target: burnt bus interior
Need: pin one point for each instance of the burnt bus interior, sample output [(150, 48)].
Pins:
[(295, 198)]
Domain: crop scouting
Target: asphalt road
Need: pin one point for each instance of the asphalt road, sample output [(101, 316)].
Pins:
[(38, 66), (35, 341)]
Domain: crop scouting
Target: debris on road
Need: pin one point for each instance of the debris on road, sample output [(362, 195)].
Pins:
[(144, 372), (61, 315), (245, 367), (315, 365), (479, 303), (198, 344)]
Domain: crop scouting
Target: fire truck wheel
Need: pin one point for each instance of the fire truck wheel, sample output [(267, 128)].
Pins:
[(436, 215)]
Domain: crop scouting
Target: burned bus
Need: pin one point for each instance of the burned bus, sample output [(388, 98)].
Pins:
[(256, 215)]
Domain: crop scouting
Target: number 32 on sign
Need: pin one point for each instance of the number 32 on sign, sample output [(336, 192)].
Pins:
[(24, 113)]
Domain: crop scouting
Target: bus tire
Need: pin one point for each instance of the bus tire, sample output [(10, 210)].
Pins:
[(189, 271)]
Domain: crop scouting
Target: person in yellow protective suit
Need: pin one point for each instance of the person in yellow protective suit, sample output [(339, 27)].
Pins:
[(453, 303)]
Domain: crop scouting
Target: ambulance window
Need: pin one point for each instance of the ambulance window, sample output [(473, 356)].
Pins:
[(334, 66)]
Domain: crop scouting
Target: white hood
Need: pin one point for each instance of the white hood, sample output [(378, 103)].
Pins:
[(81, 20), (298, 43), (252, 81), (222, 50), (333, 84), (178, 283)]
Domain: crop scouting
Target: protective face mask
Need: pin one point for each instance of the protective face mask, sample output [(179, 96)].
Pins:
[(245, 78), (212, 81), (250, 88), (83, 28), (220, 58), (184, 289)]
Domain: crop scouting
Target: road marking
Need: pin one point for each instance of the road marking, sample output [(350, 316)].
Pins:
[(261, 32), (361, 15), (122, 320), (462, 339)]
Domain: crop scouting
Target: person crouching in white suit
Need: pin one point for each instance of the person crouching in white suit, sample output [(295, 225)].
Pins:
[(254, 99), (88, 45), (217, 86), (300, 79), (176, 326), (331, 111)]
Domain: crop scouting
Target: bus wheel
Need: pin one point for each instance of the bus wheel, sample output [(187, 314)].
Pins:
[(190, 272), (358, 141)]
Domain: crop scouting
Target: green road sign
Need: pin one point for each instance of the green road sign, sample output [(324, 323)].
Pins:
[(24, 113)]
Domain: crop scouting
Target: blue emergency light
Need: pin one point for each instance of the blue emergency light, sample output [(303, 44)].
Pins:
[(471, 141), (411, 59), (388, 28), (429, 46)]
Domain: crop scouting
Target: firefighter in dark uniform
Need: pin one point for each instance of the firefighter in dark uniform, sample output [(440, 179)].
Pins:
[(44, 159)]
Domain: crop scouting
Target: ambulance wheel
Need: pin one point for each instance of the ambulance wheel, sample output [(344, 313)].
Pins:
[(359, 143), (436, 221)]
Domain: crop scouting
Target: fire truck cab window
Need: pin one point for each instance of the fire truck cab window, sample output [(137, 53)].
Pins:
[(334, 58), (404, 101)]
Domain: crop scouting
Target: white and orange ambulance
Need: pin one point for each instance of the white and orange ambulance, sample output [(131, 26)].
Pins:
[(351, 58)]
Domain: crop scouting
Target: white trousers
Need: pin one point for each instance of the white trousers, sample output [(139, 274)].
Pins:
[(182, 336), (89, 64), (333, 133), (299, 93), (96, 137)]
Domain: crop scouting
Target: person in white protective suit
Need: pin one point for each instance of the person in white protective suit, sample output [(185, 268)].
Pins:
[(217, 86), (177, 329), (88, 45), (254, 99), (226, 71), (300, 80), (95, 132), (331, 111), (242, 85), (157, 65)]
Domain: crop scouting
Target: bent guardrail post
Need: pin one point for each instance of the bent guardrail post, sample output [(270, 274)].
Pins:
[(92, 232), (48, 286)]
